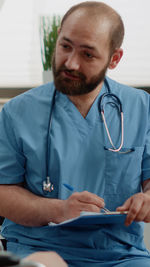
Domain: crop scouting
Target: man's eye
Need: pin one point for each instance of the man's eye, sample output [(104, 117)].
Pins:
[(65, 46), (88, 55)]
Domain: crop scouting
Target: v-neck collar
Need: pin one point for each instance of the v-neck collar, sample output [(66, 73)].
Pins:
[(81, 123)]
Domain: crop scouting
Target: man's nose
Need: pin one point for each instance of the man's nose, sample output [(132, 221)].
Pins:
[(72, 62)]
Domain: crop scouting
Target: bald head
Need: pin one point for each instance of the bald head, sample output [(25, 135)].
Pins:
[(103, 14)]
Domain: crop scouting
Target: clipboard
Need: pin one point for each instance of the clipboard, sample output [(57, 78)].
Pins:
[(89, 218)]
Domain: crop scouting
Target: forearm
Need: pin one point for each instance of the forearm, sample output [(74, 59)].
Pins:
[(23, 207)]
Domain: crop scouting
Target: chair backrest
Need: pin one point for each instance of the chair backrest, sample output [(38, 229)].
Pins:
[(1, 246), (2, 240)]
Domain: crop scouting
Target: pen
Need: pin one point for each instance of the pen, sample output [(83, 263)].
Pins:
[(70, 188)]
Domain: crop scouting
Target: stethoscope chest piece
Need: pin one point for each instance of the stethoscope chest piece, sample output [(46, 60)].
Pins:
[(47, 185)]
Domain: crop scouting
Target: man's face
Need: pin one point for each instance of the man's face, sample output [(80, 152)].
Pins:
[(81, 57)]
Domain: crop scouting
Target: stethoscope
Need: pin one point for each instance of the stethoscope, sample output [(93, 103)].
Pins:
[(48, 186), (117, 103)]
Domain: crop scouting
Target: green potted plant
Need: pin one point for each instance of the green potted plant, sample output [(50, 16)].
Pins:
[(48, 36)]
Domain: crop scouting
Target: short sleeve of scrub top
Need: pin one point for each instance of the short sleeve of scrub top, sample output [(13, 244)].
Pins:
[(26, 111), (12, 160), (146, 155)]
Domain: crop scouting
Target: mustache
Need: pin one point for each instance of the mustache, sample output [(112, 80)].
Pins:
[(72, 72)]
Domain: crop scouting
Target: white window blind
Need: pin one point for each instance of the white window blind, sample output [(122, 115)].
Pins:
[(20, 57), (20, 61)]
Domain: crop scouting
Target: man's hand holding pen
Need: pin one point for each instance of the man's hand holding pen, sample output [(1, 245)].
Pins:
[(81, 201)]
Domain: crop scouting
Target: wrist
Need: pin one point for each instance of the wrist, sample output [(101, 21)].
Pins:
[(57, 207)]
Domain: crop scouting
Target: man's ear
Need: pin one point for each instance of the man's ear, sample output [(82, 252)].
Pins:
[(115, 58), (58, 30)]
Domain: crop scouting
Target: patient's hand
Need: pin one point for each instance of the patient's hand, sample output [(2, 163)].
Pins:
[(48, 258)]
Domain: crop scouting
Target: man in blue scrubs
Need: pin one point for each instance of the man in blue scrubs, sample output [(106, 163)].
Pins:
[(54, 134)]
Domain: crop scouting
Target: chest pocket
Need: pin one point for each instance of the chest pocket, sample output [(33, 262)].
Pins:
[(122, 175)]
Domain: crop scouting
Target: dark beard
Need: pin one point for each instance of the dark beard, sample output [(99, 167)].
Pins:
[(78, 87)]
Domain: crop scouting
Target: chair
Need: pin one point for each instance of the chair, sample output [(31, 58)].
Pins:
[(2, 240)]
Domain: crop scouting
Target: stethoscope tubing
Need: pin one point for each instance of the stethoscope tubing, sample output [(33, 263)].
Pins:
[(48, 186), (114, 149)]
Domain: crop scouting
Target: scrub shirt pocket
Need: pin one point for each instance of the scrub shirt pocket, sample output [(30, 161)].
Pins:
[(122, 175)]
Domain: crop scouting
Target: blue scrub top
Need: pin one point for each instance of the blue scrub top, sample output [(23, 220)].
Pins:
[(77, 157)]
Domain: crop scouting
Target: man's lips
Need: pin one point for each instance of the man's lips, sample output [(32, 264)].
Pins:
[(69, 75)]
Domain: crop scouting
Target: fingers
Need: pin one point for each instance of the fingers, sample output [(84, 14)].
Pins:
[(138, 207), (125, 206), (89, 207), (133, 211), (81, 201), (90, 198), (86, 201)]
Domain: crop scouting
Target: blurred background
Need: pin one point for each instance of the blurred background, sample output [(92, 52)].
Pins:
[(20, 45), (20, 55)]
